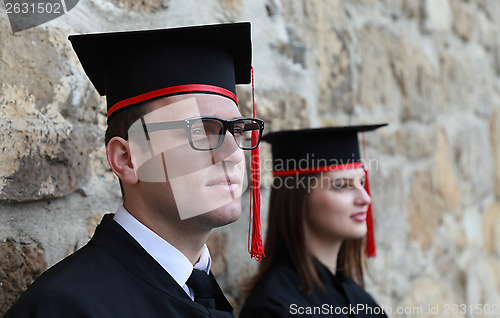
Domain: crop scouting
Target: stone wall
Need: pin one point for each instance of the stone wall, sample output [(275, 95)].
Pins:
[(430, 68)]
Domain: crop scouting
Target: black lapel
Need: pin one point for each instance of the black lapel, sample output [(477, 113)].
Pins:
[(110, 236), (220, 300)]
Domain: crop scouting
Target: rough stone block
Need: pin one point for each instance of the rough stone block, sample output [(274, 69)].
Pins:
[(148, 6), (21, 264), (49, 117), (388, 196), (379, 89), (481, 287), (491, 229), (294, 49), (43, 154), (490, 8), (424, 216), (273, 7), (411, 8), (486, 31), (466, 83), (464, 21), (416, 141), (315, 37), (428, 293), (446, 178), (495, 146), (473, 159), (417, 76), (336, 82), (438, 16)]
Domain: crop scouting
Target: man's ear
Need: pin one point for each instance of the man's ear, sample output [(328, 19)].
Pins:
[(120, 160)]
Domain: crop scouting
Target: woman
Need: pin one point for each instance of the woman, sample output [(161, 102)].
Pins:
[(318, 215)]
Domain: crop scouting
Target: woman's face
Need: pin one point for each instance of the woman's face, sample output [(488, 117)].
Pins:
[(338, 205)]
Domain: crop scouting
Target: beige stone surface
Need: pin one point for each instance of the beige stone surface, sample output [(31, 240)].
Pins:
[(464, 22), (495, 145), (416, 141), (474, 159), (491, 229), (430, 298), (446, 178), (438, 16), (149, 6), (416, 75), (379, 87), (424, 215), (411, 8), (482, 287), (332, 53), (45, 132)]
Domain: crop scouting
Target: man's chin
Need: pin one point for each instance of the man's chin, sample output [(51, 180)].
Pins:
[(224, 215)]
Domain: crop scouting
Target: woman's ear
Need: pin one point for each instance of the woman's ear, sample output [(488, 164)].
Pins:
[(120, 160)]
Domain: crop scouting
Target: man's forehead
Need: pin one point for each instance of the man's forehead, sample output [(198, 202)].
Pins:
[(180, 107)]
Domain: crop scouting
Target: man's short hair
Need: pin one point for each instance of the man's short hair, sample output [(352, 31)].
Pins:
[(119, 124)]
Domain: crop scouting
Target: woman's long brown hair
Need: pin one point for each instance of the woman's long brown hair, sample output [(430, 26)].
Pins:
[(285, 231)]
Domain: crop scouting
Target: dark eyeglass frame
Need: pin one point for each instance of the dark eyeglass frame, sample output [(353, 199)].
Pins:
[(186, 124)]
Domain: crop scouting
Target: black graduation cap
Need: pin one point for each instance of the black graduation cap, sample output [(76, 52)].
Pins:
[(134, 66), (315, 150)]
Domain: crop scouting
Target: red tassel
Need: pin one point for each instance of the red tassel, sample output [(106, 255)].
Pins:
[(256, 247), (371, 249)]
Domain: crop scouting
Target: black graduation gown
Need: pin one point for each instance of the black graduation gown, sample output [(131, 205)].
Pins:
[(111, 276), (278, 294)]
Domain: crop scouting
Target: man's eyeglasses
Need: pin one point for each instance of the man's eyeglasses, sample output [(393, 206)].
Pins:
[(207, 133)]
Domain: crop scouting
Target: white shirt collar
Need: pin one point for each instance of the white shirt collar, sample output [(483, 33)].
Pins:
[(170, 258)]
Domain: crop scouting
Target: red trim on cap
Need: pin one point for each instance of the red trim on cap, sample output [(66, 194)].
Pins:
[(345, 166), (172, 90)]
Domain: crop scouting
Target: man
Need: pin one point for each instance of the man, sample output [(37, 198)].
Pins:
[(175, 139)]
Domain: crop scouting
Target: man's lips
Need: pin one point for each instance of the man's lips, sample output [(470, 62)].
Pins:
[(224, 180)]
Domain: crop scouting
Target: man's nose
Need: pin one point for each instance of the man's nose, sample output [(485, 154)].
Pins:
[(228, 151)]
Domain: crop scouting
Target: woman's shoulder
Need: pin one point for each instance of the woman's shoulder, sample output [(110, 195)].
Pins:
[(273, 294), (281, 279), (355, 291)]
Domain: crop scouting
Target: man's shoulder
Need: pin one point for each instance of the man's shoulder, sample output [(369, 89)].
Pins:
[(91, 283), (49, 302), (88, 266)]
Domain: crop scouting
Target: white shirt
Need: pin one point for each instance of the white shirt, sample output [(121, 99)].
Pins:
[(170, 258)]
